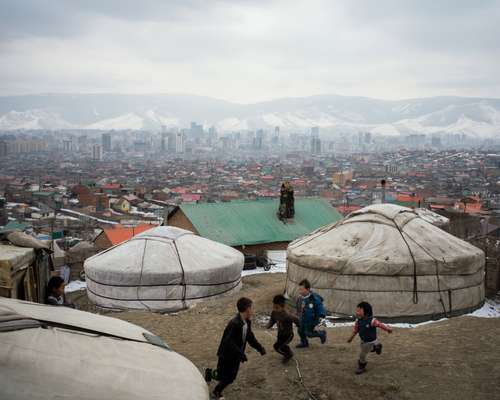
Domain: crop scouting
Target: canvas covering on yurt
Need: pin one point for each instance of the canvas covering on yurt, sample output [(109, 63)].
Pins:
[(163, 269), (50, 353), (406, 267)]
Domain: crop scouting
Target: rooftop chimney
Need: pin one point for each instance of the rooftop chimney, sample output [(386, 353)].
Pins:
[(287, 201)]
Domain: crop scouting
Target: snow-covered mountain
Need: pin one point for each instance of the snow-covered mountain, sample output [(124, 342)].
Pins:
[(135, 121), (472, 116), (32, 119)]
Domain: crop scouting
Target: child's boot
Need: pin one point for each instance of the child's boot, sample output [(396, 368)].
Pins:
[(378, 348), (361, 368), (287, 358), (302, 345), (216, 396), (322, 336), (208, 375)]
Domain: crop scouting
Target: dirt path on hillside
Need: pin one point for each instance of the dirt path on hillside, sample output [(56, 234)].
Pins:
[(454, 359)]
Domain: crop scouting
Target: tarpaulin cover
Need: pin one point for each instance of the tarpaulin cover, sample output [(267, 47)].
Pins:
[(162, 269), (64, 362), (12, 260), (22, 239), (391, 257)]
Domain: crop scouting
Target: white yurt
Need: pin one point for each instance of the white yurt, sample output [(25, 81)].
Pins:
[(162, 269), (388, 255), (51, 352)]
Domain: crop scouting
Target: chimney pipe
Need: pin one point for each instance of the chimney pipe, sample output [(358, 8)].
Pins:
[(382, 182)]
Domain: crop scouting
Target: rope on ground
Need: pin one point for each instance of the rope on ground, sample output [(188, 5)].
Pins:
[(299, 374), (301, 379)]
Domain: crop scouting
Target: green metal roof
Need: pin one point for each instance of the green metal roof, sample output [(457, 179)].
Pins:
[(247, 222), (409, 204), (15, 226), (43, 194)]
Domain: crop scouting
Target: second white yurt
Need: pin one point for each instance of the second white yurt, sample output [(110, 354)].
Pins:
[(163, 269), (51, 352), (388, 255)]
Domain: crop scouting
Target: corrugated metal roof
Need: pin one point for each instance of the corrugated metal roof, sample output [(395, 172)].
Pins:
[(121, 234), (15, 226), (255, 221)]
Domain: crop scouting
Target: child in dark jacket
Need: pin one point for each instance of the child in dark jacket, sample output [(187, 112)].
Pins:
[(366, 327), (231, 350), (285, 322), (311, 310)]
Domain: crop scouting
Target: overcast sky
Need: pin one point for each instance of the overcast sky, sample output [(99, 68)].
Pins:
[(248, 51)]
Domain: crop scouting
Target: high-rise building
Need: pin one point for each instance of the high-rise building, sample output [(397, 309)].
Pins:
[(276, 137), (259, 140), (179, 142), (171, 142), (4, 150), (67, 145), (82, 144), (97, 152), (106, 142), (212, 136), (368, 137), (164, 142), (163, 139), (196, 131), (315, 140), (315, 145)]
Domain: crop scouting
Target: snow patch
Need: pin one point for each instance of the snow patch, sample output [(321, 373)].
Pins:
[(278, 257), (490, 309), (75, 286)]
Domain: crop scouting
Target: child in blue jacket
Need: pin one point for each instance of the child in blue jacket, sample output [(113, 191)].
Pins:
[(311, 310)]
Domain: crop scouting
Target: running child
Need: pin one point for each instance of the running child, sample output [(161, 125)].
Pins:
[(311, 310), (366, 327), (285, 322), (231, 350)]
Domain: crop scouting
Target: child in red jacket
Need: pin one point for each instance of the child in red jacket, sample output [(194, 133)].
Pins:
[(366, 327)]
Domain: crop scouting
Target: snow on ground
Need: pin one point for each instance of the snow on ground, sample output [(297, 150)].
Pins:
[(278, 268), (490, 309), (103, 221), (277, 257), (74, 286)]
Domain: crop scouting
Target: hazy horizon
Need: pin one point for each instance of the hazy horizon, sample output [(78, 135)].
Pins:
[(208, 96)]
